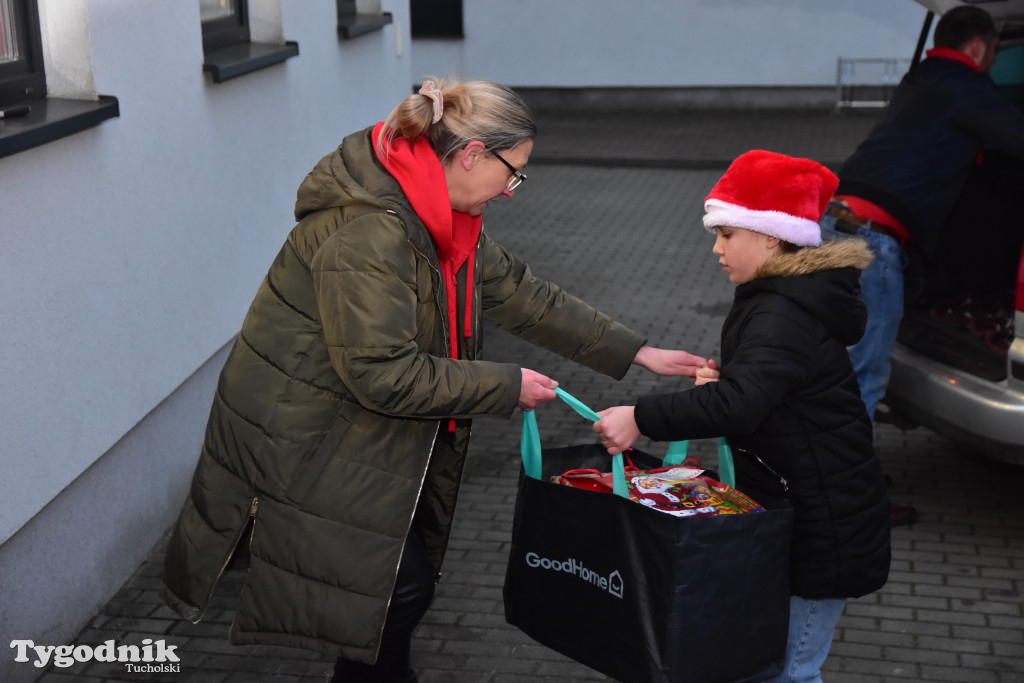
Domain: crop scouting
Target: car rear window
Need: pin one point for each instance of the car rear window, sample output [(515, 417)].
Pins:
[(1008, 74)]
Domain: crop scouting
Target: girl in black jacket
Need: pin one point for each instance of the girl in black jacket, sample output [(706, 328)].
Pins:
[(786, 396)]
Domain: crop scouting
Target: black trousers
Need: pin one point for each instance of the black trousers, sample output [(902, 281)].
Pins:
[(414, 590)]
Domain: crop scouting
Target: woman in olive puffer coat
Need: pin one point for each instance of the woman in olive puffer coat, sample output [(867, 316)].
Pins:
[(340, 425)]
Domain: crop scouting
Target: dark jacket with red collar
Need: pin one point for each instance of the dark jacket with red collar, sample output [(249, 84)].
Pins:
[(787, 400), (917, 158)]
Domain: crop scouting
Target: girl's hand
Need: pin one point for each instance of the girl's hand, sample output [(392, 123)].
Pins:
[(709, 373), (617, 429)]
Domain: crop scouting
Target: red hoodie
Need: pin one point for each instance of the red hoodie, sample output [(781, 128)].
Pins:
[(415, 166)]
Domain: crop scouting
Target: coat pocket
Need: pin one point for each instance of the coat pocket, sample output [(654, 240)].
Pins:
[(315, 459)]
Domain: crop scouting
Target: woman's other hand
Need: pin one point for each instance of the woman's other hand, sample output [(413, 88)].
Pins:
[(708, 373), (668, 361), (617, 428), (536, 388)]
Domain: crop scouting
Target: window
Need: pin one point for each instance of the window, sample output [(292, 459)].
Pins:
[(21, 53), (228, 48), (436, 18), (1008, 74), (225, 22), (354, 20), (32, 116)]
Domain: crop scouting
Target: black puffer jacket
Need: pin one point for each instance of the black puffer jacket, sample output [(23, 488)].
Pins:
[(916, 160), (787, 399)]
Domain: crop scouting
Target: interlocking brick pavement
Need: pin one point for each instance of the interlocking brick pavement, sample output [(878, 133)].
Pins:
[(628, 238)]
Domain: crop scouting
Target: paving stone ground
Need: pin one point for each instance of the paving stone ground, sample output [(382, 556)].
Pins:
[(612, 211)]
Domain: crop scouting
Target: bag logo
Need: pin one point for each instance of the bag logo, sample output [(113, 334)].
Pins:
[(612, 583)]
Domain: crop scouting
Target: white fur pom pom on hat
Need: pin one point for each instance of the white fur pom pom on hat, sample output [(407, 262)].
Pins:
[(774, 194)]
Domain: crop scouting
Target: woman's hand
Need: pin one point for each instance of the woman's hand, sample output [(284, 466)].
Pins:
[(617, 428), (708, 373), (536, 388), (668, 362)]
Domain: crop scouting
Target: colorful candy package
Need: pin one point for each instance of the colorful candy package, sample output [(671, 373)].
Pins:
[(679, 490)]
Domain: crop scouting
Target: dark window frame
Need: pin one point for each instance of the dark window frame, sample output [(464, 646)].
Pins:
[(228, 31), (24, 79), (352, 24), (436, 19), (40, 119), (228, 50)]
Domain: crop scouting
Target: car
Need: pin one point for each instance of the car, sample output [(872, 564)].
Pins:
[(958, 365)]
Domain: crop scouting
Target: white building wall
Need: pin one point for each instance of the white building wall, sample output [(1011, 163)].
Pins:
[(669, 43), (132, 250), (129, 254)]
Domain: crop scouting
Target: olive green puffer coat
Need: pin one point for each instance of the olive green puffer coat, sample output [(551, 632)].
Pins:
[(328, 438)]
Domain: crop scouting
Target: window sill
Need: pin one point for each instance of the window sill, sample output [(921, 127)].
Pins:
[(53, 118), (238, 60), (354, 25)]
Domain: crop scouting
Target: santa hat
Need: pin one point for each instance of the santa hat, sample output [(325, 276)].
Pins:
[(773, 194)]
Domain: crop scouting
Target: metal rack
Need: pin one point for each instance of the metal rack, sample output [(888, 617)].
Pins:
[(867, 83)]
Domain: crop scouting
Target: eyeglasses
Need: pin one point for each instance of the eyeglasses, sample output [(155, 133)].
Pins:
[(517, 176)]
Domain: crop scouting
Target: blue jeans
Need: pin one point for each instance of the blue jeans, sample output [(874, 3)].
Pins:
[(881, 290), (811, 626)]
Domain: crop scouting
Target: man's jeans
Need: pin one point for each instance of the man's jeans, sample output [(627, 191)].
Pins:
[(881, 289), (812, 624)]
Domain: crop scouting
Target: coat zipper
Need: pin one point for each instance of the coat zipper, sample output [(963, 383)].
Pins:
[(442, 314), (444, 327), (408, 529), (253, 507), (470, 284), (782, 479)]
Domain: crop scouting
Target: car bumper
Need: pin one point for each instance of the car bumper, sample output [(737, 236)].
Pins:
[(986, 416)]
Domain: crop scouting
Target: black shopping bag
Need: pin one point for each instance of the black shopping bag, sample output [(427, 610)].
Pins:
[(638, 594)]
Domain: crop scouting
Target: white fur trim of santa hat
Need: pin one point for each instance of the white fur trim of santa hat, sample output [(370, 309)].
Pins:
[(775, 223), (774, 194)]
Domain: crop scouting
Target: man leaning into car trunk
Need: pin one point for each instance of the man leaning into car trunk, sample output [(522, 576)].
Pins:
[(902, 182)]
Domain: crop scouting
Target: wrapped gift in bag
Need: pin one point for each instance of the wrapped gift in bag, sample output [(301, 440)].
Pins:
[(637, 594)]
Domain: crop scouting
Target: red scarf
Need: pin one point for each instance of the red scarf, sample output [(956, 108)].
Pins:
[(414, 164)]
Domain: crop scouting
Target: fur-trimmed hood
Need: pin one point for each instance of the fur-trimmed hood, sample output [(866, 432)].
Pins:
[(824, 281), (850, 253)]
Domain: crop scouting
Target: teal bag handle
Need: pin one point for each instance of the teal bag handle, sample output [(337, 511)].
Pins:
[(530, 444), (618, 467), (676, 453), (726, 470), (530, 448)]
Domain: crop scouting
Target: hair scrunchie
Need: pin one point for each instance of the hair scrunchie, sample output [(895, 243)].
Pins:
[(430, 91)]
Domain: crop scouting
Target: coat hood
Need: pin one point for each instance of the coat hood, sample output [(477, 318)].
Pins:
[(345, 177), (824, 281)]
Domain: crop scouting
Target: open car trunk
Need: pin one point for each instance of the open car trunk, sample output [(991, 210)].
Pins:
[(958, 366), (959, 307)]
